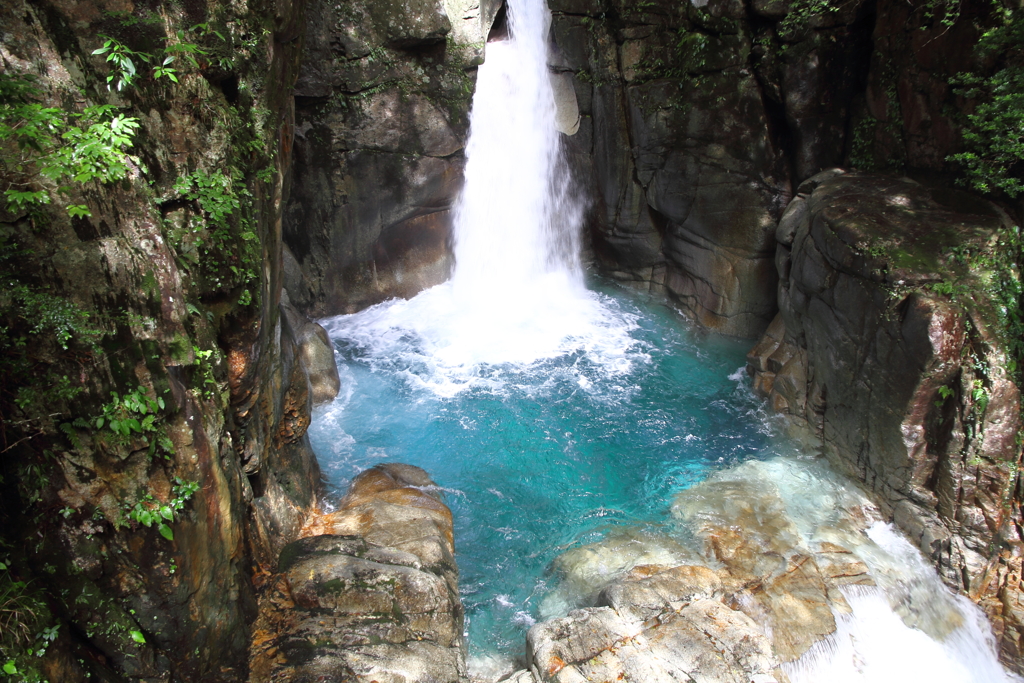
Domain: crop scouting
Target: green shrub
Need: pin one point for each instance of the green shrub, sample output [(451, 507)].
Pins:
[(993, 160), (40, 143)]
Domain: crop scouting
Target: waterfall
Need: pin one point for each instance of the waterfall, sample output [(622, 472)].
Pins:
[(516, 296), (517, 221)]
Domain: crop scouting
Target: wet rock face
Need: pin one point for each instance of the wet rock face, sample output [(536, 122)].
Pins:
[(907, 390), (316, 354), (382, 106), (740, 583), (789, 586), (693, 122), (370, 592)]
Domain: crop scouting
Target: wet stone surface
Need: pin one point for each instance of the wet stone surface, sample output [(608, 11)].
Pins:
[(371, 593), (749, 583), (905, 385)]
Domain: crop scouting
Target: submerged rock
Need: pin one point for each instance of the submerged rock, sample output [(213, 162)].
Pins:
[(371, 592), (761, 583)]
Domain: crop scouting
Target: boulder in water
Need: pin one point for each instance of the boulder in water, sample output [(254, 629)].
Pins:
[(373, 595)]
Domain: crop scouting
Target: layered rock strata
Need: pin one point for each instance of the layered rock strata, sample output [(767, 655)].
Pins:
[(890, 346), (370, 592)]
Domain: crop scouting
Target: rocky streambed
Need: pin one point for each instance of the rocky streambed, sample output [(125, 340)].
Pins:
[(777, 570)]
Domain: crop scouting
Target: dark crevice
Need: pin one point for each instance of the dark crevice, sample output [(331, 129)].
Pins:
[(229, 86), (499, 27)]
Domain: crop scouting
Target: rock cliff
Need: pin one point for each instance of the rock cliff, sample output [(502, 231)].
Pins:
[(156, 391), (382, 106), (892, 345), (695, 122)]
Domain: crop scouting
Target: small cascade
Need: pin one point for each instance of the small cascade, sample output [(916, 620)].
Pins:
[(908, 627)]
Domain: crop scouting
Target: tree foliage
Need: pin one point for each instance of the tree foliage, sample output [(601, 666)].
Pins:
[(993, 160), (48, 148)]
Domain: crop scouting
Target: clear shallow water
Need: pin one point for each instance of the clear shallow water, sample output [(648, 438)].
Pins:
[(537, 456)]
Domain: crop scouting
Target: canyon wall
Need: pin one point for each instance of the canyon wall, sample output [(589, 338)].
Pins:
[(699, 119), (156, 389), (696, 122), (382, 106)]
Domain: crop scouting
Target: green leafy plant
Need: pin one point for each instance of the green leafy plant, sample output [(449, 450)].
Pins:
[(203, 362), (215, 193), (122, 60), (26, 627), (136, 414), (994, 132), (164, 70), (63, 147), (149, 511), (980, 395), (219, 197), (948, 12), (801, 12), (122, 414), (944, 393), (51, 314), (995, 271)]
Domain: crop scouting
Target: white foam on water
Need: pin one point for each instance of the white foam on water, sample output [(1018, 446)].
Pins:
[(739, 375), (873, 644), (444, 348)]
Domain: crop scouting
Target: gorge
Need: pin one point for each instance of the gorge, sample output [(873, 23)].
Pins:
[(178, 530)]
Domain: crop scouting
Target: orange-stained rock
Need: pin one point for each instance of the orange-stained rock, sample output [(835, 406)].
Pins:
[(369, 591)]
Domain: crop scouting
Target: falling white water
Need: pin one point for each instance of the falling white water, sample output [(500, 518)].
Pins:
[(908, 627), (517, 221), (516, 296)]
